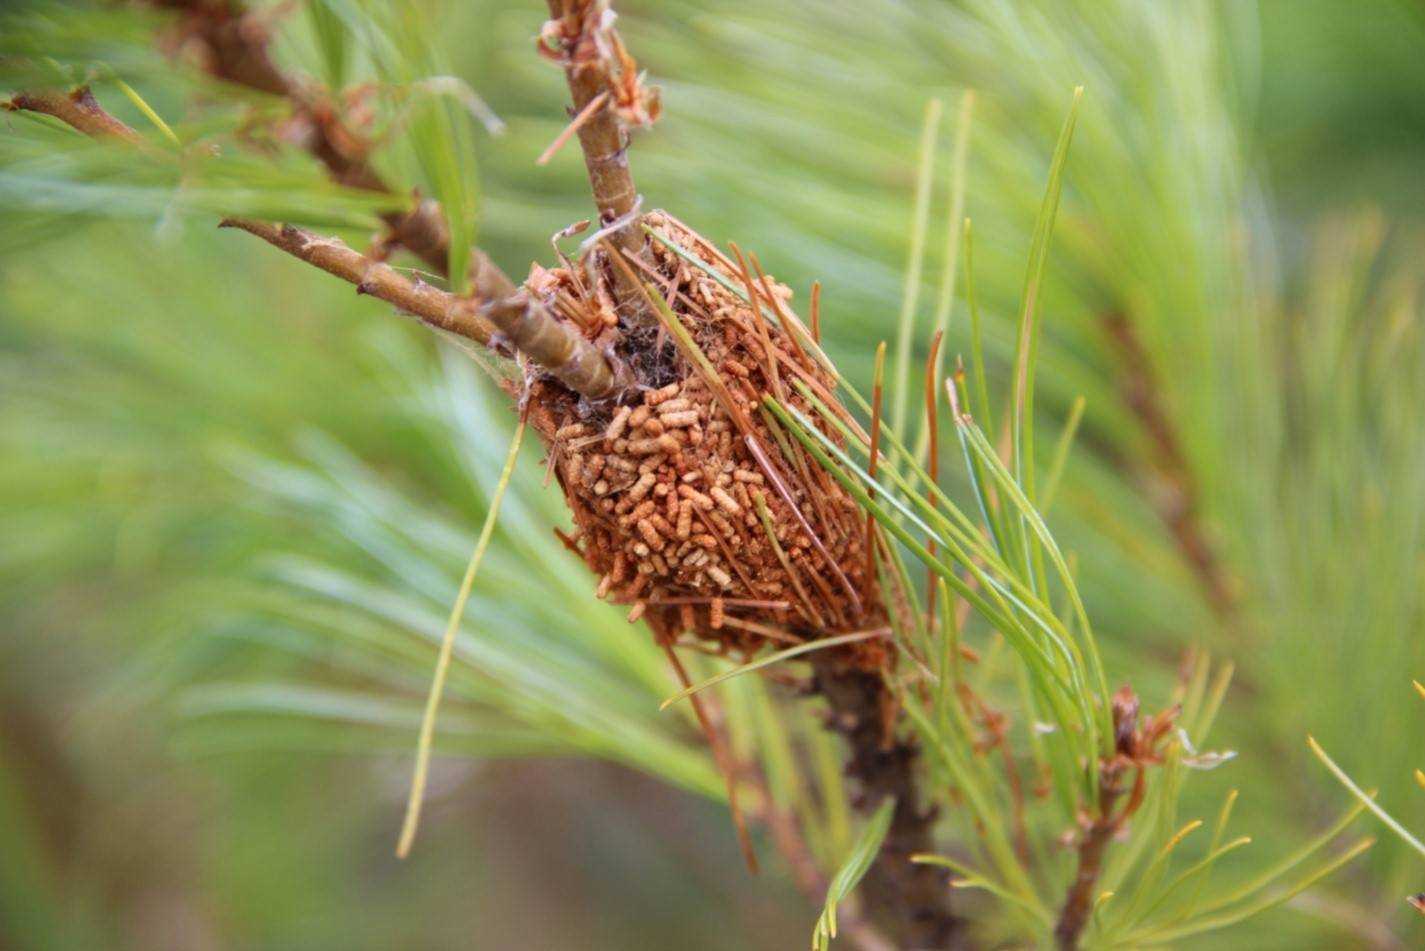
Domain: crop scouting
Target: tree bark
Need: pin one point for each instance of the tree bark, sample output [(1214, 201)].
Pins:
[(909, 902)]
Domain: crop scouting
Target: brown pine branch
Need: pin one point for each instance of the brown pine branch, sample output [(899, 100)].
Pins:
[(587, 46), (607, 97), (233, 44), (78, 109), (910, 902), (1136, 747), (499, 314), (555, 345), (1171, 484), (1078, 904)]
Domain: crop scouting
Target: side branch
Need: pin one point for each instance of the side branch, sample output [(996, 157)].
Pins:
[(518, 319), (586, 44), (1176, 497), (78, 109), (1137, 745), (233, 46), (499, 314)]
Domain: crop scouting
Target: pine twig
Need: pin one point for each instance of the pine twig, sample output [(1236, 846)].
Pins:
[(78, 109), (580, 37), (234, 47), (1136, 746), (1177, 500), (1078, 903), (524, 322), (517, 318)]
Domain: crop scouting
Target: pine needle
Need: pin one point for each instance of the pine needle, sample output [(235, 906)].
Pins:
[(1061, 454), (447, 646), (1365, 800), (910, 295), (852, 871), (594, 105), (725, 763), (953, 234), (149, 113)]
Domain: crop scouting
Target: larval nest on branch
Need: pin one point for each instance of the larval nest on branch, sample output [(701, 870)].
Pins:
[(691, 503)]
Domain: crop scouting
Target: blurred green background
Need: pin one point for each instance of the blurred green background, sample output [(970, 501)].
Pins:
[(224, 481)]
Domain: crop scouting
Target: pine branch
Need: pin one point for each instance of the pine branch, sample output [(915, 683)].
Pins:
[(909, 901), (234, 47), (1136, 747), (1078, 903), (1175, 497), (78, 110), (553, 344), (499, 314), (607, 96)]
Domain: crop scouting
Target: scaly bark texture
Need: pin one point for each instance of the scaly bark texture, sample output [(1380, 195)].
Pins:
[(910, 902)]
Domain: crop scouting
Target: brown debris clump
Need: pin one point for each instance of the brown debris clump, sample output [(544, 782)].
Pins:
[(690, 502)]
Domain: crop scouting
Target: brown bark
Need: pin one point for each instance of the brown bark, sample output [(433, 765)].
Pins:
[(602, 138), (1137, 745), (78, 109), (1078, 903), (909, 902)]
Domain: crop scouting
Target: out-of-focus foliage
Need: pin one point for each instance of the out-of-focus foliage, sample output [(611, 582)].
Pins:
[(234, 504)]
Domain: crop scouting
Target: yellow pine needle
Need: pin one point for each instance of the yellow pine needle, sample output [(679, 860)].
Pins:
[(447, 646), (148, 111), (1096, 915), (1364, 797), (1180, 835), (1419, 688)]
